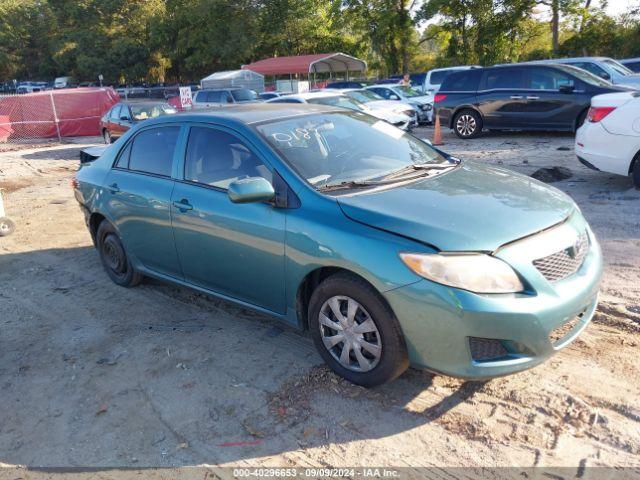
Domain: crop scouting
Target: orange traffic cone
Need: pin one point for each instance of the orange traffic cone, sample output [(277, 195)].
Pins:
[(437, 134)]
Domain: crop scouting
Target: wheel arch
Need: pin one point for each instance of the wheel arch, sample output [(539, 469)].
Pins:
[(466, 106), (634, 160), (584, 112), (309, 283)]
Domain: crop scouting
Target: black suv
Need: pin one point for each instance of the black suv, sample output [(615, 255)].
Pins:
[(518, 97)]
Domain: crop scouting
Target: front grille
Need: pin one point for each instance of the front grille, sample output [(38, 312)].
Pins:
[(483, 349), (560, 265), (558, 334)]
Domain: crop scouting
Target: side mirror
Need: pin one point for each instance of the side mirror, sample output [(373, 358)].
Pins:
[(605, 75), (394, 97), (124, 118), (251, 190), (567, 88)]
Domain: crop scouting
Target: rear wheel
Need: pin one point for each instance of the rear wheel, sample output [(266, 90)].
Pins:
[(7, 226), (356, 332), (467, 124), (114, 257), (635, 173)]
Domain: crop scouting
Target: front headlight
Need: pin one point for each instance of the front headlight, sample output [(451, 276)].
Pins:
[(476, 272)]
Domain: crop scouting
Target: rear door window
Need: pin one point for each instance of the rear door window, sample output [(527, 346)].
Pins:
[(152, 150), (115, 112), (548, 79), (464, 81), (504, 78)]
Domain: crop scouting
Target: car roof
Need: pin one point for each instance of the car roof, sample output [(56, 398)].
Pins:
[(386, 85), (634, 59), (145, 102), (570, 59), (247, 114), (459, 67)]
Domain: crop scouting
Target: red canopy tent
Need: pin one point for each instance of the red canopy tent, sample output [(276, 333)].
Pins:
[(308, 64)]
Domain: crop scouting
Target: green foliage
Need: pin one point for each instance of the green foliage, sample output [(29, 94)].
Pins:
[(168, 40)]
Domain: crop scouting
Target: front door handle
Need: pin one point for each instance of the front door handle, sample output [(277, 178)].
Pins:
[(113, 188), (183, 205), (516, 97), (532, 97)]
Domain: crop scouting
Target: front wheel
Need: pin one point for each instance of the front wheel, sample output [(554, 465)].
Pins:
[(467, 124), (356, 332), (114, 257), (7, 226)]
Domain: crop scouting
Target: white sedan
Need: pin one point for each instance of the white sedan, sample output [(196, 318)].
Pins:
[(609, 140), (338, 99), (376, 103)]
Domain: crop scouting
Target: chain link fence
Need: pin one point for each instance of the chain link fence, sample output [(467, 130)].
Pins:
[(53, 115)]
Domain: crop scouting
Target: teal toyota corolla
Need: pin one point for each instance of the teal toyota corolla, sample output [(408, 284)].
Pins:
[(388, 250)]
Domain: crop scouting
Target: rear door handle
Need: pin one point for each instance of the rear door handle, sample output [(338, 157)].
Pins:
[(113, 188), (183, 205), (516, 97), (532, 97)]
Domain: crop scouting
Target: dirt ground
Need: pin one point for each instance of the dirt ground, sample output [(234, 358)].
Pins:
[(95, 375)]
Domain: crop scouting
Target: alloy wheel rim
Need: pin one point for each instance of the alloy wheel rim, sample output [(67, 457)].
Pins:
[(4, 227), (349, 334), (466, 125)]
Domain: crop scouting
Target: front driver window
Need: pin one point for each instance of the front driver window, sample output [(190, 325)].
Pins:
[(217, 159)]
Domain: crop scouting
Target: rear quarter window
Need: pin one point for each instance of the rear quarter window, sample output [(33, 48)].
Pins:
[(463, 81)]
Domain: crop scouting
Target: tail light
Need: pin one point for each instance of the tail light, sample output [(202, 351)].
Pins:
[(598, 113), (439, 97)]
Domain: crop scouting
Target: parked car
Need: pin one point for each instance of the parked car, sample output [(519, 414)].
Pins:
[(527, 96), (338, 99), (429, 83), (610, 138), (375, 102), (31, 87), (223, 96), (603, 67), (632, 64), (268, 95), (316, 215), (64, 82), (122, 116), (346, 84), (422, 104)]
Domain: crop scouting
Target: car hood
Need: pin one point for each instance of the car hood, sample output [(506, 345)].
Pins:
[(472, 208), (391, 105)]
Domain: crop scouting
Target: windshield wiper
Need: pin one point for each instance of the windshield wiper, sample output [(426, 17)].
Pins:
[(416, 167), (349, 184)]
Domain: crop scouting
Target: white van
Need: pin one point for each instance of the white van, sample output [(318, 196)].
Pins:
[(63, 82)]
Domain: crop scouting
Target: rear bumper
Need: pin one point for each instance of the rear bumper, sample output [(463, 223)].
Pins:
[(603, 150), (440, 323)]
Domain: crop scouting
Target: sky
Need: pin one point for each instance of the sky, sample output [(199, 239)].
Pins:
[(616, 7)]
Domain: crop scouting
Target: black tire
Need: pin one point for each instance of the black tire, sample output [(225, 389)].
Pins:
[(106, 136), (467, 124), (635, 173), (114, 257), (393, 359), (7, 227)]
